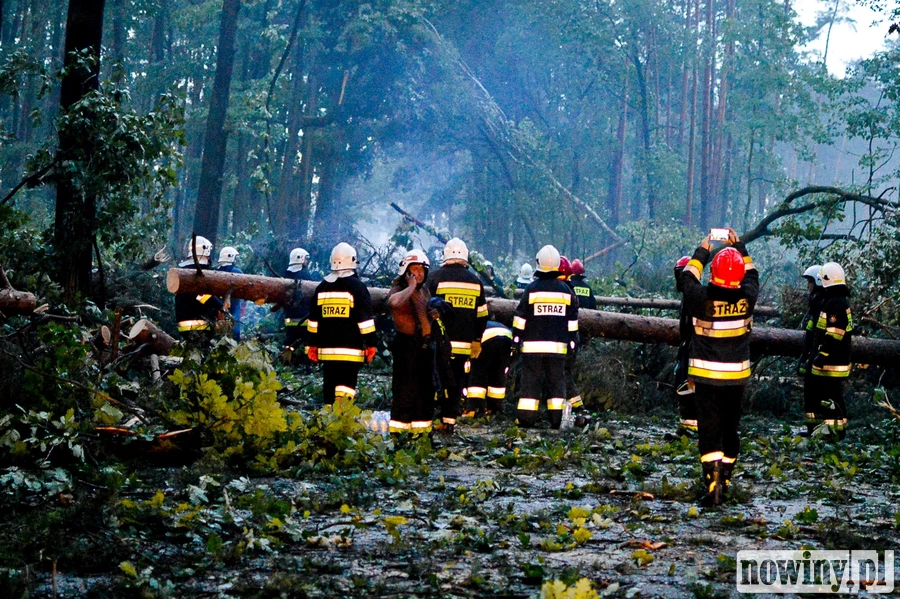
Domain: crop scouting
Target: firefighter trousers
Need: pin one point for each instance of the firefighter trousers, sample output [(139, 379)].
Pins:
[(339, 380), (412, 385), (572, 394), (487, 379), (823, 402), (543, 375), (718, 418)]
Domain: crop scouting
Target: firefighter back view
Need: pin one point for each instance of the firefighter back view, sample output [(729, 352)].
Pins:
[(197, 314), (297, 311), (544, 328), (457, 285), (719, 364), (227, 256), (341, 326), (487, 379), (684, 389)]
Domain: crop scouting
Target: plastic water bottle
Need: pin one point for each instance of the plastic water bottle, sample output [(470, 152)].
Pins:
[(381, 422), (567, 419)]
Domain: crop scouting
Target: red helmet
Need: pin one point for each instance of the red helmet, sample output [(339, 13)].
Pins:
[(577, 267), (727, 269), (682, 262), (565, 268)]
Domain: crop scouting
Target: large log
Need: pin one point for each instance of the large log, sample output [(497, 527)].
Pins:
[(17, 302), (594, 323), (157, 340)]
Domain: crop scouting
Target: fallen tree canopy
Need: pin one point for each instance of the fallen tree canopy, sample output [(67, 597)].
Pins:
[(769, 341)]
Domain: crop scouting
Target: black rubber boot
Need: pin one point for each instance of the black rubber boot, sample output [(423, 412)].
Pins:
[(711, 482), (725, 472)]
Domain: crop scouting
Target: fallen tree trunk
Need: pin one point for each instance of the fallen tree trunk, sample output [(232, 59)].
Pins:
[(593, 323), (158, 341), (17, 302)]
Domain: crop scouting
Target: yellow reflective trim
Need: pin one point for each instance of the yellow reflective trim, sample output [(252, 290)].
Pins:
[(727, 460), (458, 288), (690, 425), (344, 354), (312, 326), (713, 334), (344, 391), (203, 298), (695, 267), (420, 426), (334, 297), (555, 403), (717, 374), (193, 325), (576, 401), (527, 404), (831, 371), (496, 392), (720, 366), (544, 347), (482, 311), (396, 426), (496, 332), (519, 323), (461, 347), (550, 297), (713, 456), (477, 392), (573, 326), (294, 322), (367, 326)]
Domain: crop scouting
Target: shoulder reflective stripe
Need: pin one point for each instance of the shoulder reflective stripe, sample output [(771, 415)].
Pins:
[(203, 298), (496, 392), (496, 332), (544, 347), (446, 287), (573, 325), (344, 391), (193, 325), (327, 298), (476, 392), (713, 456), (550, 297), (338, 354), (528, 404), (519, 323), (555, 403), (367, 326), (748, 260), (721, 366), (695, 267), (312, 326)]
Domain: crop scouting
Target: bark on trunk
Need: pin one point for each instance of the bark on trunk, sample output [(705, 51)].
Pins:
[(16, 302), (593, 323), (159, 342)]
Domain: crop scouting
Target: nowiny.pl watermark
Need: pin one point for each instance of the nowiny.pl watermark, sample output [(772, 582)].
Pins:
[(802, 571)]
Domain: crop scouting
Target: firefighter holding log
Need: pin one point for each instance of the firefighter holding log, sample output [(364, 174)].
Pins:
[(829, 362), (297, 310), (454, 283), (684, 389), (196, 314), (341, 326), (544, 327), (719, 360), (227, 256)]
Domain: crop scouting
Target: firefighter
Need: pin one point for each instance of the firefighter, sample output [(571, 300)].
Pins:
[(197, 314), (227, 256), (829, 363), (586, 299), (297, 311), (487, 379), (719, 360), (573, 396), (544, 328), (412, 385), (341, 327), (684, 389), (526, 276), (491, 275), (457, 285), (814, 291)]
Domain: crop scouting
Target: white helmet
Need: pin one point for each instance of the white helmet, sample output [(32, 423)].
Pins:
[(343, 257), (832, 274), (812, 273), (548, 259), (204, 249), (456, 250), (227, 255), (413, 257), (526, 273), (298, 258), (488, 264)]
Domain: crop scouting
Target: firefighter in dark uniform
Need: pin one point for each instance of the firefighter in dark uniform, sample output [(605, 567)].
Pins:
[(526, 276), (545, 326), (412, 385), (584, 292), (227, 256), (830, 363), (684, 389), (297, 311), (573, 396), (814, 291), (196, 315), (487, 379), (455, 284), (341, 326), (719, 363)]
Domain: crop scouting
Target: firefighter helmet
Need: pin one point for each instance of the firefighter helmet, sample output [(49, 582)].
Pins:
[(414, 257), (812, 273), (488, 264), (456, 249), (526, 274), (832, 274), (343, 257), (227, 255), (577, 267), (727, 269), (565, 268), (204, 249), (682, 262), (548, 259), (297, 259)]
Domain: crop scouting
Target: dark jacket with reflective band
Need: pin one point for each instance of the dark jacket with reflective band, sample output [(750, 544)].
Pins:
[(810, 348), (235, 309), (721, 319), (462, 289), (196, 312), (546, 319), (340, 320), (834, 330), (584, 292), (296, 312)]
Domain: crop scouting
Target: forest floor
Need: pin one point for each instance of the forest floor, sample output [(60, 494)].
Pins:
[(491, 511)]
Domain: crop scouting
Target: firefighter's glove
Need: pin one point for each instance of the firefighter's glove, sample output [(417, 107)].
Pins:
[(312, 353), (370, 354), (476, 349)]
